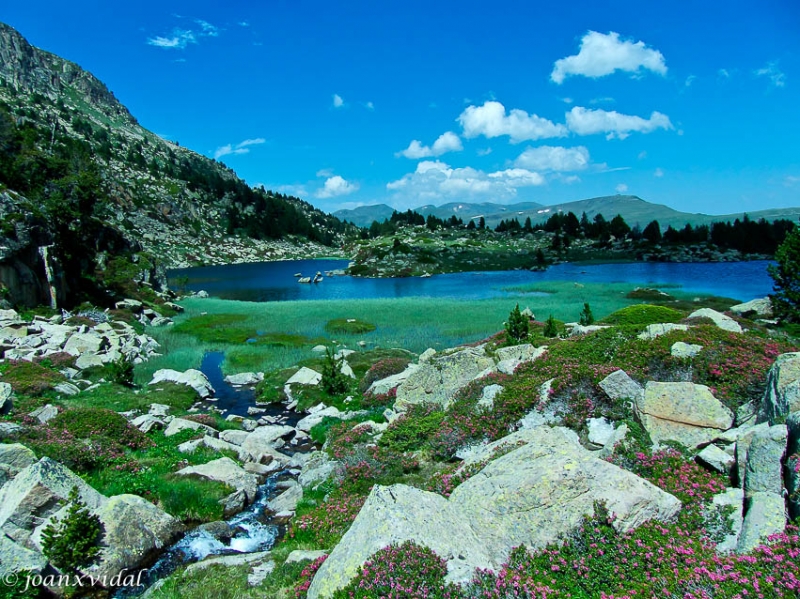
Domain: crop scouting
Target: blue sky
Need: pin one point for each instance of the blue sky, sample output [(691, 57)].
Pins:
[(689, 104)]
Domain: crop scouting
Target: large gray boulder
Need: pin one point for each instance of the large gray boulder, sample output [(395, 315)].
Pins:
[(317, 468), (383, 386), (84, 343), (6, 397), (38, 495), (16, 558), (793, 465), (178, 425), (730, 498), (286, 502), (310, 421), (764, 469), (225, 470), (437, 381), (263, 442), (762, 307), (15, 457), (765, 516), (534, 495), (652, 331), (782, 396), (682, 412), (726, 323), (305, 376), (191, 378)]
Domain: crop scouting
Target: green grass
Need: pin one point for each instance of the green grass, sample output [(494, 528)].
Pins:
[(413, 324), (348, 326)]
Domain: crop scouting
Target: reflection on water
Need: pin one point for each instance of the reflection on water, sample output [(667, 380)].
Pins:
[(276, 281)]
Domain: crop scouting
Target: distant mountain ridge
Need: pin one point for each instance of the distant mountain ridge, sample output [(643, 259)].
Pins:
[(633, 209)]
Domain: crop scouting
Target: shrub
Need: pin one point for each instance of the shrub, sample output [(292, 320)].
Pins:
[(72, 543), (642, 314), (121, 372), (786, 274), (348, 326), (517, 327), (413, 430), (381, 370), (333, 381), (28, 378), (550, 327), (91, 423), (407, 570), (586, 317)]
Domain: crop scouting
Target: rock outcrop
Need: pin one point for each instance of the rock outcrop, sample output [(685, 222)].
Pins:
[(533, 495), (782, 396)]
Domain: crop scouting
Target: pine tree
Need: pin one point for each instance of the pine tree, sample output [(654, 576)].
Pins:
[(786, 277), (517, 327), (72, 542), (333, 381), (587, 317), (550, 327)]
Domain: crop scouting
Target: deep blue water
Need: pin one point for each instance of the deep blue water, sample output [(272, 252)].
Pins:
[(275, 281)]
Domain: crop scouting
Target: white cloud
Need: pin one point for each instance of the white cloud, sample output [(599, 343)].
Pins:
[(491, 120), (369, 106), (179, 40), (567, 100), (337, 101), (791, 180), (243, 147), (776, 76), (689, 80), (207, 29), (325, 172), (434, 180), (243, 24), (724, 73), (446, 142), (659, 172), (642, 155), (554, 158), (584, 121), (336, 186), (484, 152), (621, 188), (602, 54)]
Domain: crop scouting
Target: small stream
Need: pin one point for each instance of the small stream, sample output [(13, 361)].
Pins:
[(250, 530)]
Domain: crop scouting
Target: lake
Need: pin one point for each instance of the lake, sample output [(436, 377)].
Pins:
[(275, 281)]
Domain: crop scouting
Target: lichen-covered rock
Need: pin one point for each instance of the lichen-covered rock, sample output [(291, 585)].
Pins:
[(682, 412), (733, 498), (534, 495), (310, 421), (16, 558), (6, 395), (726, 323), (618, 385), (716, 458), (245, 378), (317, 468), (437, 381), (683, 350), (508, 358), (764, 469), (761, 306), (793, 464), (600, 430), (15, 457), (263, 442), (782, 396), (191, 378), (286, 502), (652, 331), (305, 376), (486, 400), (178, 425), (383, 386), (765, 516), (225, 470)]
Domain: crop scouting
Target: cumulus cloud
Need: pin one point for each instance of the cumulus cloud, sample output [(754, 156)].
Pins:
[(446, 142), (554, 158), (659, 172), (773, 73), (601, 54), (336, 186), (338, 102), (243, 147), (584, 121), (621, 188), (491, 120), (369, 106), (435, 180)]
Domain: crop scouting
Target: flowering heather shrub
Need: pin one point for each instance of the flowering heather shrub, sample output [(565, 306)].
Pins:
[(445, 482), (93, 423), (412, 430), (405, 571), (324, 524), (307, 575), (380, 400), (381, 370), (82, 455), (28, 378), (57, 360), (642, 315)]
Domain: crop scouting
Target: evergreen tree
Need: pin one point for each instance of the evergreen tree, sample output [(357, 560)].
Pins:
[(587, 317), (550, 328), (73, 542), (517, 327), (786, 277), (333, 381), (652, 232)]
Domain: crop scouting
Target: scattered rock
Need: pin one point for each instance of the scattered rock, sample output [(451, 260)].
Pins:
[(486, 401), (310, 421), (383, 386), (245, 378), (656, 330), (764, 470), (66, 388), (301, 555), (177, 425), (227, 471), (15, 457), (6, 397), (762, 307), (191, 378), (726, 323), (765, 516), (508, 358), (287, 501), (600, 431), (735, 499), (305, 376), (618, 385), (147, 422), (717, 459), (45, 413), (683, 350)]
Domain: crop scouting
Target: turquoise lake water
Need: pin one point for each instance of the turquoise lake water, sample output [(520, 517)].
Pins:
[(275, 281)]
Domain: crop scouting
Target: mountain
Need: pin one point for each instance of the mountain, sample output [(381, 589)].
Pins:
[(79, 174), (632, 208)]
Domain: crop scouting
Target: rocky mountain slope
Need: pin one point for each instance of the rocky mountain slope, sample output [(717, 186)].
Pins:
[(77, 169)]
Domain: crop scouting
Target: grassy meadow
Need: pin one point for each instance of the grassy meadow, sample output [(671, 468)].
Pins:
[(265, 336)]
